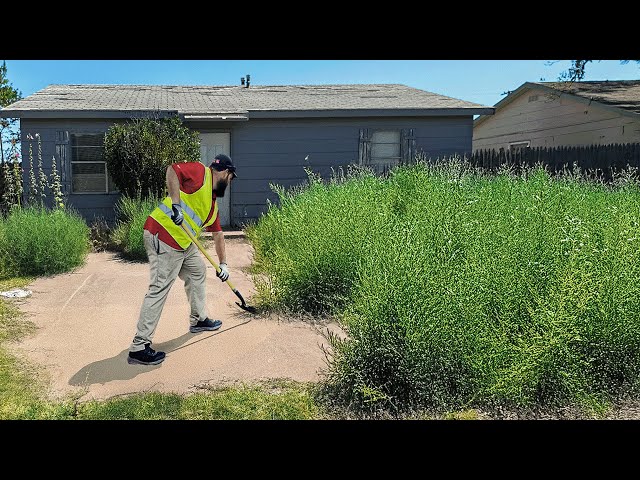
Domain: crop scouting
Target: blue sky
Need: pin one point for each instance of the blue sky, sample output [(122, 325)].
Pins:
[(478, 81)]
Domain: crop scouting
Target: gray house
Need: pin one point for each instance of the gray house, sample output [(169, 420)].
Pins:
[(271, 132)]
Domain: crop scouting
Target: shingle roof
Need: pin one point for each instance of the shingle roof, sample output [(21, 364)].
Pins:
[(624, 94), (213, 100)]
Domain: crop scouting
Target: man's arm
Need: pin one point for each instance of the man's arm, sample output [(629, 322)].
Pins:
[(173, 185), (218, 239)]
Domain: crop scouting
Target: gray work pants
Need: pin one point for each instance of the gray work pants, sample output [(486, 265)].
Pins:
[(166, 264)]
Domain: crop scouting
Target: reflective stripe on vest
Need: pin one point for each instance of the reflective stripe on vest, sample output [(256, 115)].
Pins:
[(195, 207)]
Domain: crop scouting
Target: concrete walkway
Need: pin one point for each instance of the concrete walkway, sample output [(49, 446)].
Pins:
[(87, 319)]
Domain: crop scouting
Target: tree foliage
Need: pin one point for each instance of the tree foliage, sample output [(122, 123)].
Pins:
[(9, 133), (578, 69), (138, 153)]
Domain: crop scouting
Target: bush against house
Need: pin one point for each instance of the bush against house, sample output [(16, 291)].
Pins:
[(131, 214), (139, 152)]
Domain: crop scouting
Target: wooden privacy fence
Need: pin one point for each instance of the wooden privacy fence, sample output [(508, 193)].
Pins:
[(594, 160)]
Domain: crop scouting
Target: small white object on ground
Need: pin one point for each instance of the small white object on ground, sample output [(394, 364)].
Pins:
[(16, 293)]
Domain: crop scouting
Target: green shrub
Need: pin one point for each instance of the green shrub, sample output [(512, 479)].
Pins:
[(139, 152), (100, 235), (127, 236), (35, 241), (456, 288)]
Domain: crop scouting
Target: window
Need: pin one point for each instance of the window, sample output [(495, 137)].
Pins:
[(385, 149), (88, 166), (382, 150), (518, 146)]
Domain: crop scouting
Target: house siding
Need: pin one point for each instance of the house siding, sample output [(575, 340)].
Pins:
[(554, 121), (265, 151), (273, 152), (91, 206)]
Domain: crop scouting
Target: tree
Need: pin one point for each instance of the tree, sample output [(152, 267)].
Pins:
[(577, 71), (9, 133), (139, 152)]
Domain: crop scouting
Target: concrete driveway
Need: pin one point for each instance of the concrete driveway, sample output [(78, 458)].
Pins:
[(87, 319)]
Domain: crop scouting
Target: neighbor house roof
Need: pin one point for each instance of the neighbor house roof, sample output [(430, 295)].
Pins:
[(619, 94), (238, 102)]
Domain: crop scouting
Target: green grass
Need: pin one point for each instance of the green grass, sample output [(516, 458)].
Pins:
[(290, 401), (37, 241), (128, 233), (460, 289)]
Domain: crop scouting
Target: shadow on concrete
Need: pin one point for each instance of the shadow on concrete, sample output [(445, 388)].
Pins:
[(117, 368), (109, 369), (172, 345)]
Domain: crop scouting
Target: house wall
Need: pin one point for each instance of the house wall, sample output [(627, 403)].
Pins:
[(554, 121), (274, 151), (90, 205), (265, 152)]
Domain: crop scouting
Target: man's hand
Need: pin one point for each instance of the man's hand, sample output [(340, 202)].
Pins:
[(177, 215), (223, 274)]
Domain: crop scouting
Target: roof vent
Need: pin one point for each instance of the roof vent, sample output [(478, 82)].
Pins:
[(242, 81)]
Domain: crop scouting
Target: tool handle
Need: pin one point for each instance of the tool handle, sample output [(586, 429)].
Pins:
[(204, 252)]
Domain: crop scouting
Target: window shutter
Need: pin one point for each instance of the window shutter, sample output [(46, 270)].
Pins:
[(408, 146), (62, 148), (364, 149)]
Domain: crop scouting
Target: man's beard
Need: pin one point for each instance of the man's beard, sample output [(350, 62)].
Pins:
[(220, 188)]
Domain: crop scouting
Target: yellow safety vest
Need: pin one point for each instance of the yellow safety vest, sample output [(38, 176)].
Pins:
[(195, 207)]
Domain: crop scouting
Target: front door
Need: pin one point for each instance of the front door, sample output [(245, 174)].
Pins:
[(211, 144)]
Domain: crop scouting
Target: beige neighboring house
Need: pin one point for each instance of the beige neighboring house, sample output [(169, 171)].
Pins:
[(552, 114)]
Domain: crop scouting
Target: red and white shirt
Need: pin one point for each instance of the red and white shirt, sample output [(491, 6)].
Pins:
[(191, 178)]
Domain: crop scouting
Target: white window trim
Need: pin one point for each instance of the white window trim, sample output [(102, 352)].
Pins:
[(519, 145)]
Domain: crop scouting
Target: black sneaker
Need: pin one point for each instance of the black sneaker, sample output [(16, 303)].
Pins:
[(148, 356), (205, 326)]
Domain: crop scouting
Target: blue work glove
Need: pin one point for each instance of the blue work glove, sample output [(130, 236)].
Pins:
[(223, 274), (177, 215)]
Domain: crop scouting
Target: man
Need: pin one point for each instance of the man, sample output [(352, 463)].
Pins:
[(193, 189)]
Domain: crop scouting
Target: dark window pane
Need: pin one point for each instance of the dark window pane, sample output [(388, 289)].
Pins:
[(87, 154), (88, 168), (88, 177), (88, 184), (87, 139)]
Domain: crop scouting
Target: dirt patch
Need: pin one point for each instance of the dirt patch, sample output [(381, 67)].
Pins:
[(86, 320)]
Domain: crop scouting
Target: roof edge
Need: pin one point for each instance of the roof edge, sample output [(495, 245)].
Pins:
[(329, 113), (73, 114), (577, 98), (379, 112)]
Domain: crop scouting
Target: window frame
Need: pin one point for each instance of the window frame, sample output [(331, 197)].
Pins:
[(72, 136), (397, 159), (515, 147)]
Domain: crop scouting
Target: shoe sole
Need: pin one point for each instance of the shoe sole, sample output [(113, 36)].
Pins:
[(203, 329), (134, 361)]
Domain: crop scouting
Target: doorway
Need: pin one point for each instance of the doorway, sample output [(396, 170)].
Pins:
[(211, 144)]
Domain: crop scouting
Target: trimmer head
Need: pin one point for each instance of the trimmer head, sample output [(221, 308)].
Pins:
[(244, 305)]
